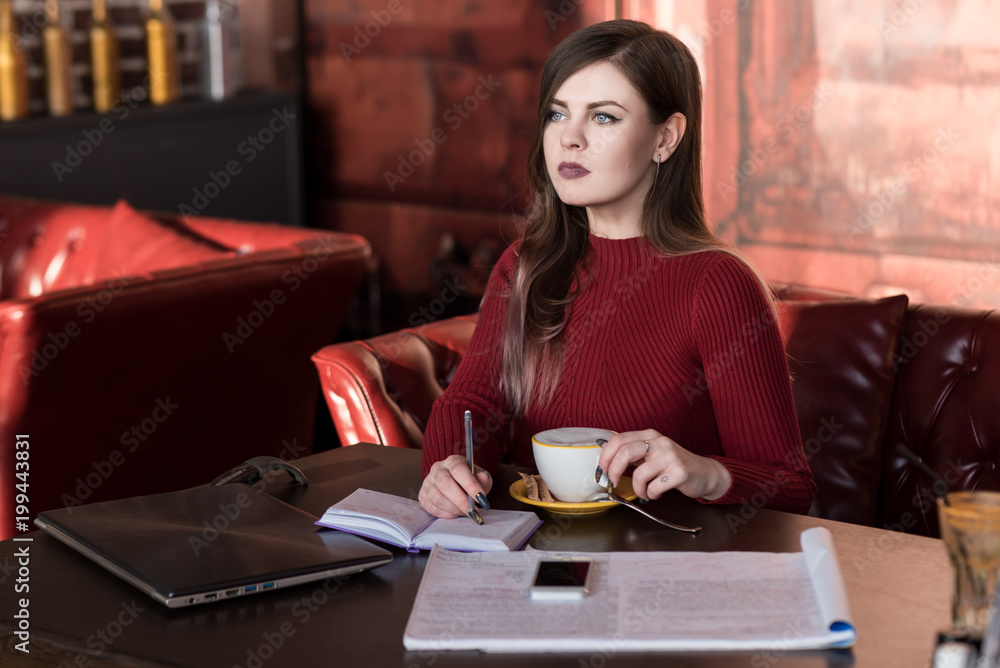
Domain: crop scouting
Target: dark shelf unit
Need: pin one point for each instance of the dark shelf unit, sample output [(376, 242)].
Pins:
[(157, 157)]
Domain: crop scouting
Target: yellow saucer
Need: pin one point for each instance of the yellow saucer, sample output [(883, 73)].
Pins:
[(624, 488)]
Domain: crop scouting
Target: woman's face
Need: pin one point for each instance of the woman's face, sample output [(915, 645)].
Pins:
[(600, 148)]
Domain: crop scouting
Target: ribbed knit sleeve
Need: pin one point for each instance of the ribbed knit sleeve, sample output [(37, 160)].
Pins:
[(476, 385), (746, 374)]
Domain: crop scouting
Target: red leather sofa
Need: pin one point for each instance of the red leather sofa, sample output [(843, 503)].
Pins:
[(867, 374), (142, 353)]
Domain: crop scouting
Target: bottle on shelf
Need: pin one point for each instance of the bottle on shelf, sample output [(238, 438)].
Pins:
[(58, 62), (104, 58), (221, 50), (13, 76), (164, 76)]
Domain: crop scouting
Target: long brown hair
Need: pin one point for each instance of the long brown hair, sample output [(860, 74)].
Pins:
[(555, 236)]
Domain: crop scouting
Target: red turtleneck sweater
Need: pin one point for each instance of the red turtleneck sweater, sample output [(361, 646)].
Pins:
[(687, 346)]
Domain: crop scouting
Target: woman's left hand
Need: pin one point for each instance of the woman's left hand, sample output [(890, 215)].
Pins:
[(663, 465)]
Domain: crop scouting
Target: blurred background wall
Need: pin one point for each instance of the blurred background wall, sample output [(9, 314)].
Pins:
[(869, 153), (849, 144)]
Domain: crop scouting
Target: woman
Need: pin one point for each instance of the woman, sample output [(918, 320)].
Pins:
[(618, 308)]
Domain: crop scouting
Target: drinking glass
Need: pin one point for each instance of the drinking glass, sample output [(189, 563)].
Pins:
[(970, 528)]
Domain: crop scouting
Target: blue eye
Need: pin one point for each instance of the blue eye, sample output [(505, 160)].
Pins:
[(556, 115), (605, 119)]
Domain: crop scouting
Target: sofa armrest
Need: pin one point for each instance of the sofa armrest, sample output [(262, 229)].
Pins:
[(381, 390)]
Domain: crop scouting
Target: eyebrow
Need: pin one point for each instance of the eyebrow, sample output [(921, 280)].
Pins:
[(593, 105)]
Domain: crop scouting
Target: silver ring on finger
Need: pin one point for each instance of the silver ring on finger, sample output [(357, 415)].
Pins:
[(647, 448)]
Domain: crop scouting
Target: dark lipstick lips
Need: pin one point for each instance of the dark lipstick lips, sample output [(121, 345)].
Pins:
[(572, 170)]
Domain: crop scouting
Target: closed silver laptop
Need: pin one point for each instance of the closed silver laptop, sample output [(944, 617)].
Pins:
[(209, 543)]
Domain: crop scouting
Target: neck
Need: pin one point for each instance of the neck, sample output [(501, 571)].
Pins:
[(614, 224)]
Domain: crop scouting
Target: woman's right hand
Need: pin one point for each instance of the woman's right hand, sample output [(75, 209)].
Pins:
[(447, 486)]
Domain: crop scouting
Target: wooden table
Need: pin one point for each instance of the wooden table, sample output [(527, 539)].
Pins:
[(898, 587)]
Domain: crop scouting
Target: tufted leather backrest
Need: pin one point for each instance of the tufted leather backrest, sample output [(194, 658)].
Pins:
[(381, 390), (840, 357), (946, 408)]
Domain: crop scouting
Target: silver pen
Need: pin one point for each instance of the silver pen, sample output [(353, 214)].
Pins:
[(469, 448)]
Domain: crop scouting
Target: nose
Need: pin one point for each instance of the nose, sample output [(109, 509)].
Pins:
[(573, 135)]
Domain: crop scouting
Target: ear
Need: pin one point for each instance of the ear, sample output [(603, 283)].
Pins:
[(670, 135)]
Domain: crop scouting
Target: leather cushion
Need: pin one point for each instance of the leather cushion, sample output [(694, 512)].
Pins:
[(134, 243), (840, 356), (57, 246)]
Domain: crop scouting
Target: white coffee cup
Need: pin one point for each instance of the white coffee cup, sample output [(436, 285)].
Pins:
[(566, 459)]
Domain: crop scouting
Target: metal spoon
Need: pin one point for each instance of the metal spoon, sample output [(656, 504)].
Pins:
[(611, 496), (614, 498)]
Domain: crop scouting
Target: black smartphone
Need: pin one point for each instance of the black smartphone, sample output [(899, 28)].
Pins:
[(561, 579)]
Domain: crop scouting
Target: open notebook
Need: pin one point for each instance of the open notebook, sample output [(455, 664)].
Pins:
[(401, 521)]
